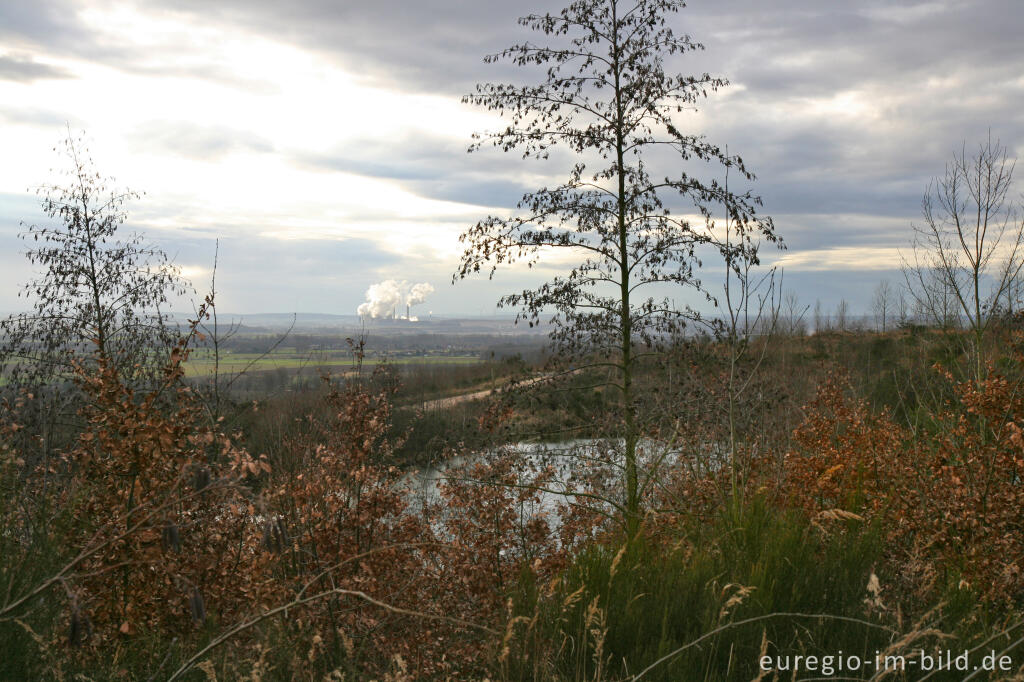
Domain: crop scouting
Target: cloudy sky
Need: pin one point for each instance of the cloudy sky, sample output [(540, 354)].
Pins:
[(324, 144)]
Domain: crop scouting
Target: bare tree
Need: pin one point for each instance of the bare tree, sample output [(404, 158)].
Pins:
[(821, 320), (607, 99), (842, 315), (752, 302), (968, 251), (882, 303), (794, 314), (1013, 296), (902, 308), (933, 300)]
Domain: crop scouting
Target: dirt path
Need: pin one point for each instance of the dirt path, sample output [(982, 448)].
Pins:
[(441, 403)]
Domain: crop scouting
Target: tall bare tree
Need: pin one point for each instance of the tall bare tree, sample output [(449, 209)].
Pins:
[(623, 210), (969, 250)]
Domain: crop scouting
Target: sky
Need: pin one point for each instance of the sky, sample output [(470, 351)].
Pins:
[(322, 143)]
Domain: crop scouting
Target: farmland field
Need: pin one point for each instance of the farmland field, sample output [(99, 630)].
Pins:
[(201, 362)]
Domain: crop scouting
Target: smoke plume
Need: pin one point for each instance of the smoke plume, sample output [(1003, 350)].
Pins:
[(418, 293), (386, 299)]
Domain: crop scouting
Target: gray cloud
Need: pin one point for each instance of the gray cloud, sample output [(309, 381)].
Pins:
[(25, 69), (55, 28), (946, 72), (438, 45), (300, 275), (434, 46), (439, 168), (826, 45), (51, 23)]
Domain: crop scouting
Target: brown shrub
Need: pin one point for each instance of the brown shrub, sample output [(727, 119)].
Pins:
[(948, 495)]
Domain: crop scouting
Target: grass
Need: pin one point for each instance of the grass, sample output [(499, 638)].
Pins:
[(618, 610)]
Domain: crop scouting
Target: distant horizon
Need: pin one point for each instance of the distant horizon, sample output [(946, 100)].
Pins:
[(229, 316)]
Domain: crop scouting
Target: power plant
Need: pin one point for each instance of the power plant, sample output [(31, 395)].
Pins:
[(384, 299)]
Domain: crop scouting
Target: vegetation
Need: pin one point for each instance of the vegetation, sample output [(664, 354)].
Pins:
[(96, 289), (966, 258), (885, 521), (851, 497)]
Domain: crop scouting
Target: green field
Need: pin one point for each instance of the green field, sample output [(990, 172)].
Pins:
[(201, 362)]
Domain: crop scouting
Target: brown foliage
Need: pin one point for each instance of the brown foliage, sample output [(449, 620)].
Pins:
[(340, 519), (848, 456), (178, 531), (949, 495), (343, 518), (158, 492)]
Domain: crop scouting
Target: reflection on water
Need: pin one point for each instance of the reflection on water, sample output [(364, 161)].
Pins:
[(564, 470)]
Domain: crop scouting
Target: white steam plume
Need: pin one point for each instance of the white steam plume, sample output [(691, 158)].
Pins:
[(382, 299), (418, 293), (385, 299)]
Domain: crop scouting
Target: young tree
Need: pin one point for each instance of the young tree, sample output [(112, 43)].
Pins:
[(842, 315), (822, 323), (607, 98), (1012, 297), (902, 308), (96, 290), (970, 249), (881, 304), (794, 314), (932, 298)]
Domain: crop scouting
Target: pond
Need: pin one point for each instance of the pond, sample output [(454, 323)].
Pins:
[(573, 467)]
